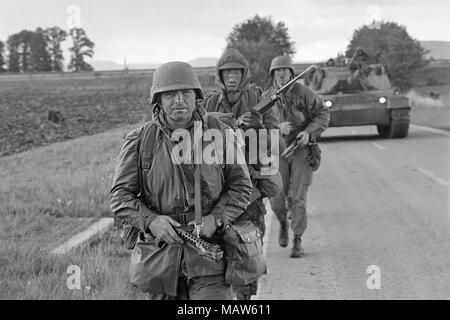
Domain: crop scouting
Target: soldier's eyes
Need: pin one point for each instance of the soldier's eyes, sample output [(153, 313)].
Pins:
[(173, 94)]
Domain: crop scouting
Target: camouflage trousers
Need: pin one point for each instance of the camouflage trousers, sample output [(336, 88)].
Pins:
[(297, 177)]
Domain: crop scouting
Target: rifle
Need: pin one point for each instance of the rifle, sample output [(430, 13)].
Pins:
[(314, 152), (269, 101), (292, 147), (211, 252)]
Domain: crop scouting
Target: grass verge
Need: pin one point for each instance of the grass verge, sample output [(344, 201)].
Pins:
[(47, 195)]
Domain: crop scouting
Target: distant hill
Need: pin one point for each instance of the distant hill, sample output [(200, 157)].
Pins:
[(438, 49), (105, 65), (203, 62)]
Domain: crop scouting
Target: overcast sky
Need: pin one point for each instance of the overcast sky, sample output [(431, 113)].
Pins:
[(163, 30)]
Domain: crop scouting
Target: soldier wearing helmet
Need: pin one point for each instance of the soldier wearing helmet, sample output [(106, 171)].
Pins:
[(360, 67), (154, 194), (302, 115), (235, 95)]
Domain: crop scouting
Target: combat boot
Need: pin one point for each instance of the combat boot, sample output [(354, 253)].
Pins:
[(297, 250), (283, 238)]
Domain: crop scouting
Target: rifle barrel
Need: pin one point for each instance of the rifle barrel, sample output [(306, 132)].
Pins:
[(297, 77)]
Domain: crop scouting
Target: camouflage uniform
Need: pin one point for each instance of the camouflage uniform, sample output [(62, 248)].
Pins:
[(306, 111), (225, 191), (217, 101)]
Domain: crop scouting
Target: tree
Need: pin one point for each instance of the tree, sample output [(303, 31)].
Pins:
[(260, 40), (82, 47), (28, 51), (54, 36), (392, 46), (13, 53), (23, 39), (39, 56), (2, 59)]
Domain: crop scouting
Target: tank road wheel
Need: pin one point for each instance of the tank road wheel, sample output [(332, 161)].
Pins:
[(398, 128)]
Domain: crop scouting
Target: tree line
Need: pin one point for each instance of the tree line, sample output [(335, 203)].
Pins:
[(260, 39), (40, 50)]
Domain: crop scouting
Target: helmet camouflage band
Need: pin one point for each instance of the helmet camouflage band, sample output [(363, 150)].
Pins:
[(281, 62), (174, 75)]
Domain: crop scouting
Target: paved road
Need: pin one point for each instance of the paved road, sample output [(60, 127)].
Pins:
[(375, 202)]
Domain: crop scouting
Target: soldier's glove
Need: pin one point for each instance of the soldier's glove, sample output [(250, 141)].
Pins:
[(209, 226), (162, 229)]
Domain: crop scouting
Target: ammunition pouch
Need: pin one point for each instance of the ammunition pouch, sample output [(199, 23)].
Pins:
[(314, 156), (152, 268), (243, 253)]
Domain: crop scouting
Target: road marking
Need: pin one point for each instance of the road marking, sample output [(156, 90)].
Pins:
[(438, 131), (432, 176), (377, 145), (353, 131), (99, 227)]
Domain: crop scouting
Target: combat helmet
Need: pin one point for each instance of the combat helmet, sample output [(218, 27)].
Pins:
[(281, 62), (232, 59), (174, 75)]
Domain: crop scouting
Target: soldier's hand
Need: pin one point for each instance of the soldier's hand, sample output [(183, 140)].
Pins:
[(208, 228), (286, 128), (303, 138), (162, 229), (245, 118)]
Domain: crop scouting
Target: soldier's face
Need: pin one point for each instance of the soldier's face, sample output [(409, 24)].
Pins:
[(282, 76), (232, 78), (178, 104)]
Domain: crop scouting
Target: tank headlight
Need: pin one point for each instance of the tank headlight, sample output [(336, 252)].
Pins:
[(328, 103), (382, 100)]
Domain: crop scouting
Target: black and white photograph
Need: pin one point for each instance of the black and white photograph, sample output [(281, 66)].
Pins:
[(250, 152)]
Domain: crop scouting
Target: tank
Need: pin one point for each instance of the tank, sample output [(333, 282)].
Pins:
[(364, 97)]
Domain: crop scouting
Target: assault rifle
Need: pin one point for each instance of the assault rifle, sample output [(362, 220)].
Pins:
[(211, 252), (206, 250), (292, 147), (269, 101)]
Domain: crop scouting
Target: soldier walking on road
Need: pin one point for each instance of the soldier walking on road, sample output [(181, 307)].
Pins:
[(155, 195), (237, 96), (302, 116)]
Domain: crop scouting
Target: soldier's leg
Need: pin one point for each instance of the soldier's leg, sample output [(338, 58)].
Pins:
[(278, 204), (301, 179), (209, 288)]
